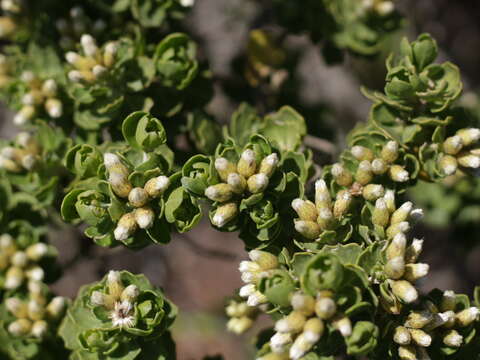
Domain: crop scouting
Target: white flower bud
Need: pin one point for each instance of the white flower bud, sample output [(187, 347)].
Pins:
[(20, 327), (75, 76), (72, 57), (37, 251), (144, 217), (39, 329), (35, 273), (54, 108), (130, 293), (56, 307), (19, 259), (257, 183), (157, 186), (89, 45), (280, 341), (257, 298), (247, 290), (138, 197)]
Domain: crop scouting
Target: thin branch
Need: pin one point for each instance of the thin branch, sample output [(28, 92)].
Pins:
[(322, 145)]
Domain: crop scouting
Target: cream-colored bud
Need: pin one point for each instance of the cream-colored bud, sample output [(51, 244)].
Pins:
[(239, 325), (372, 192), (416, 215), (322, 195), (126, 226), (257, 298), (39, 329), (19, 259), (449, 300), (325, 218), (37, 251), (402, 336), (380, 215), (385, 8), (280, 341), (219, 192), (97, 298), (453, 338), (110, 160), (138, 197), (20, 327), (420, 337), (300, 346), (247, 164), (99, 71), (342, 176), (109, 54), (118, 179), (413, 251), (257, 183), (250, 266), (305, 209), (390, 200), (413, 272), (398, 173), (9, 165), (54, 108), (264, 259), (395, 268), (49, 88), (25, 114), (397, 246), (467, 316), (344, 325), (379, 166), (325, 308), (405, 291), (145, 217), (28, 161), (364, 173), (247, 290), (130, 293), (402, 213), (309, 229), (114, 284), (156, 186), (292, 323), (407, 352), (448, 164), (390, 152), (362, 153), (313, 330), (16, 307), (342, 203), (224, 168), (35, 310), (469, 161), (35, 273), (225, 214), (250, 277), (269, 164), (400, 227), (452, 145), (440, 319), (56, 307), (89, 45), (303, 303), (13, 278), (34, 97), (419, 319), (237, 183), (469, 136)]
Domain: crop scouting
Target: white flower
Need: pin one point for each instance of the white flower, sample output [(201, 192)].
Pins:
[(121, 315)]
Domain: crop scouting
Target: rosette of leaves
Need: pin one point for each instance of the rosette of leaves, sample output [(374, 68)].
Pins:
[(358, 26), (418, 94), (127, 193), (120, 317), (333, 308), (29, 322), (33, 163), (107, 81), (246, 186)]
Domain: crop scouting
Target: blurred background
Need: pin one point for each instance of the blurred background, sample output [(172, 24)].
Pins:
[(199, 270)]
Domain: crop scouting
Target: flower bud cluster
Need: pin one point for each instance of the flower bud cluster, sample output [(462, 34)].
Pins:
[(78, 23), (35, 316), (458, 151), (41, 95), (93, 62), (138, 198), (371, 166), (20, 265), (241, 316), (299, 331), (260, 265), (118, 300), (11, 10), (442, 322), (248, 176), (401, 268), (22, 156)]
